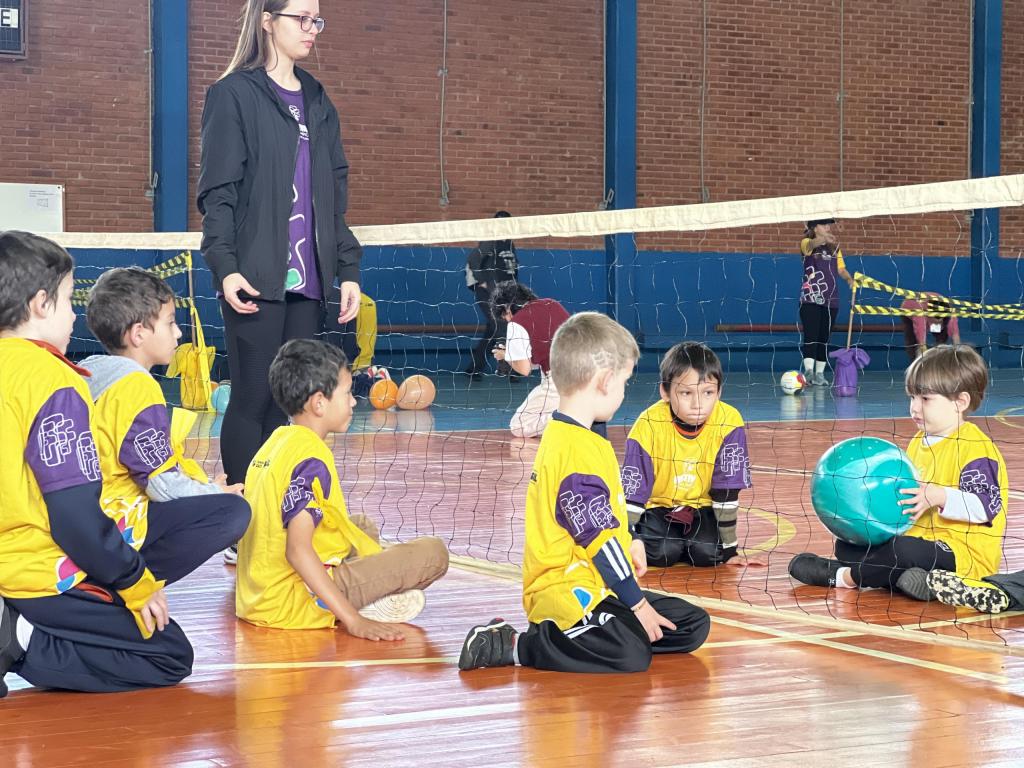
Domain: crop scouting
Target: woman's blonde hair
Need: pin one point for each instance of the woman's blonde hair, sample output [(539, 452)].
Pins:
[(949, 370), (586, 343), (253, 47)]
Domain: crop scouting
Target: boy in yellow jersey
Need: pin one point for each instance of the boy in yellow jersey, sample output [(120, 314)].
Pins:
[(80, 609), (958, 510), (150, 490), (304, 563), (587, 613), (686, 462)]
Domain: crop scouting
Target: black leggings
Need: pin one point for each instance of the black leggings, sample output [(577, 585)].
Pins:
[(668, 542), (494, 330), (882, 565), (612, 639), (252, 341), (816, 321)]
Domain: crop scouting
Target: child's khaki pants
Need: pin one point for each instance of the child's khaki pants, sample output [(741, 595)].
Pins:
[(413, 565)]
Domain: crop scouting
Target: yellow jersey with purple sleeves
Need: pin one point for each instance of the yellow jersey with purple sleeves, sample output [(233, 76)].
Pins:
[(666, 468), (293, 472), (574, 508), (46, 445), (967, 460), (133, 436)]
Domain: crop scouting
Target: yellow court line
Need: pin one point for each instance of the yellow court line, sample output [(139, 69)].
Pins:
[(1003, 416), (884, 655), (784, 532), (351, 664)]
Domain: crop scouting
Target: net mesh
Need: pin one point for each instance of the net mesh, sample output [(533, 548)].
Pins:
[(726, 274)]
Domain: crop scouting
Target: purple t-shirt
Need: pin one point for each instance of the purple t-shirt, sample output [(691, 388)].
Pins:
[(820, 275), (302, 277)]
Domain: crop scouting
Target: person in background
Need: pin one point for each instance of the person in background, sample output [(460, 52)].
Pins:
[(917, 329), (490, 263)]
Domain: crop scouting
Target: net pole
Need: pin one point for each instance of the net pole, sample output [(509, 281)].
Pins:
[(191, 295), (853, 312)]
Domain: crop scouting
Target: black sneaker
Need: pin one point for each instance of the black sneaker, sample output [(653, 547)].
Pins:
[(10, 651), (982, 596), (913, 582), (813, 570), (488, 645)]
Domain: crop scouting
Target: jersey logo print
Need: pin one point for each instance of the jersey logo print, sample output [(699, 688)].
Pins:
[(734, 459), (631, 479), (974, 481), (815, 286), (298, 495), (152, 447), (55, 438), (582, 516), (88, 457)]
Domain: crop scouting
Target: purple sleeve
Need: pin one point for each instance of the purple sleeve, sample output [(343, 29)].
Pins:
[(981, 477), (300, 490), (637, 473), (60, 449), (584, 508), (732, 465), (147, 444)]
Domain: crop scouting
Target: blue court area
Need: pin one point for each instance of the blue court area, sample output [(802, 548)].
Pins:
[(488, 404)]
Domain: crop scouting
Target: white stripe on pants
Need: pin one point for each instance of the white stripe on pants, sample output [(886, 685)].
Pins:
[(534, 414)]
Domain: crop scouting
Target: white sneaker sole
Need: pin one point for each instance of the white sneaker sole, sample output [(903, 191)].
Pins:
[(397, 608)]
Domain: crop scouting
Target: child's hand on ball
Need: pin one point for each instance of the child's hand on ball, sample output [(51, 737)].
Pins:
[(922, 498)]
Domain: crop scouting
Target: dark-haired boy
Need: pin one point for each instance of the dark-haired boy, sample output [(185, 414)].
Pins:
[(304, 563), (532, 323), (150, 489), (686, 463), (79, 608)]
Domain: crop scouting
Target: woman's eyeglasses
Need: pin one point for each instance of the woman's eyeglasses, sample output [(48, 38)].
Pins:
[(306, 23)]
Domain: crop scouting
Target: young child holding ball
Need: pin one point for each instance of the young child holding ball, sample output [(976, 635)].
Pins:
[(959, 508)]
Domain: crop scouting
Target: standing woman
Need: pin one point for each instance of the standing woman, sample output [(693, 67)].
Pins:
[(273, 190), (819, 295)]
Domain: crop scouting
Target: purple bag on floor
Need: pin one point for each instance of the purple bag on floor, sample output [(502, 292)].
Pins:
[(847, 362)]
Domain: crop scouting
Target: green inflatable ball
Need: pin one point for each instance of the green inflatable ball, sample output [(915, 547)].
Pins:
[(856, 490)]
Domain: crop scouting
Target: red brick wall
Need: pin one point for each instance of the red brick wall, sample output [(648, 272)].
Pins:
[(1011, 232), (524, 123), (76, 111), (771, 124), (524, 115)]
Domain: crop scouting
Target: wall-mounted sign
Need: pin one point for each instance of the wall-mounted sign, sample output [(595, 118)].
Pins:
[(13, 30)]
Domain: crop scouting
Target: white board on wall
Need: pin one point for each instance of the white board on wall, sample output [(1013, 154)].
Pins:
[(32, 207)]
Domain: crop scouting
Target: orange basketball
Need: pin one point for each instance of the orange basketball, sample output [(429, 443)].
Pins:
[(384, 394), (416, 393)]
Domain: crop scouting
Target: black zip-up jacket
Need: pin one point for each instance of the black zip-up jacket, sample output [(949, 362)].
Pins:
[(249, 146)]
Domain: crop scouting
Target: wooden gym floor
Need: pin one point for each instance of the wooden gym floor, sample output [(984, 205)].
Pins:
[(789, 676)]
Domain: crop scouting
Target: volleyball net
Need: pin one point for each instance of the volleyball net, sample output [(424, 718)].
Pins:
[(727, 274)]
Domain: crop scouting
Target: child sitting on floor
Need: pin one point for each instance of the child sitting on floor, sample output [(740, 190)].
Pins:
[(304, 563)]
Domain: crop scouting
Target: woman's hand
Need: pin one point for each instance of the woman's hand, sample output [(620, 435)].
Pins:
[(234, 284), (349, 301)]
